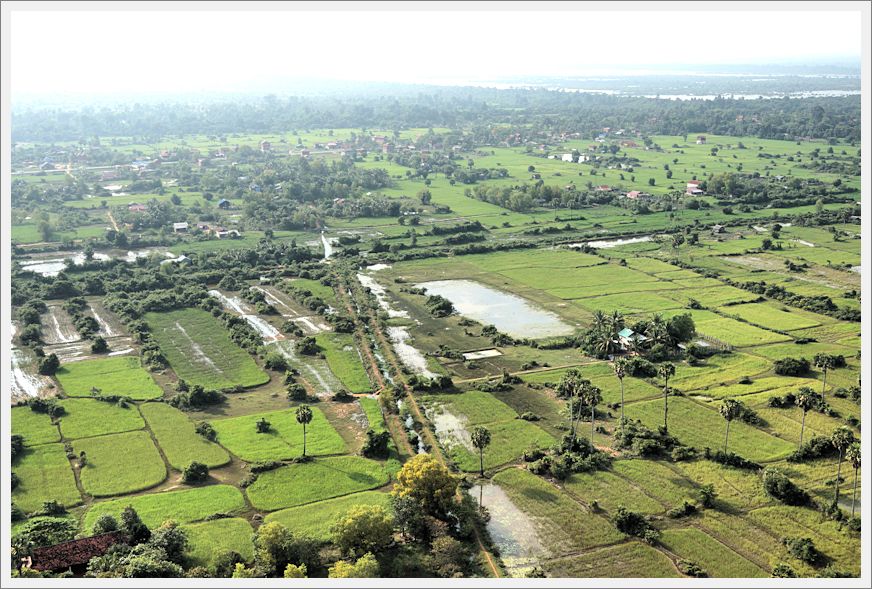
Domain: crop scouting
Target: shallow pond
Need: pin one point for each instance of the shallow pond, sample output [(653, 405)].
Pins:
[(609, 243), (509, 313), (511, 530)]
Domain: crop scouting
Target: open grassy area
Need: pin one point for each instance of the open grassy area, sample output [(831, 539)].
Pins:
[(120, 463), (45, 475), (200, 350), (373, 412), (185, 506), (611, 491), (207, 540), (122, 375), (177, 438), (36, 428), (697, 425), (322, 291), (772, 316), (323, 478), (344, 361), (729, 330), (314, 520), (715, 558), (283, 441), (627, 560), (85, 418), (564, 526)]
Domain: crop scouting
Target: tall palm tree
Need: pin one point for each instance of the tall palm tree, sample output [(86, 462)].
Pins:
[(664, 371), (853, 455), (570, 387), (806, 399), (616, 322), (304, 417), (481, 439), (730, 410), (592, 396), (657, 330), (599, 320), (621, 372), (824, 362), (841, 438)]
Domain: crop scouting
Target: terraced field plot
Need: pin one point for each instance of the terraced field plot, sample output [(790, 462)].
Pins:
[(120, 463), (718, 369), (200, 350), (283, 441), (36, 428), (85, 418), (178, 440), (314, 520), (455, 416), (610, 491), (628, 560), (308, 482), (45, 475), (729, 330), (208, 540), (696, 425), (773, 317), (344, 361), (715, 558), (185, 506)]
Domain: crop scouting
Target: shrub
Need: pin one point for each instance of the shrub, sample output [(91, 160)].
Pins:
[(777, 485), (690, 568), (792, 366), (196, 472), (17, 445), (804, 550), (262, 426), (205, 429), (731, 459), (783, 571), (817, 447), (707, 495), (376, 444)]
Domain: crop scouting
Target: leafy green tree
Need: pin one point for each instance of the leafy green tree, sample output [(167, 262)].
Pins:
[(137, 532), (293, 571), (104, 524), (304, 417), (730, 409), (366, 567), (196, 472), (362, 529), (481, 439)]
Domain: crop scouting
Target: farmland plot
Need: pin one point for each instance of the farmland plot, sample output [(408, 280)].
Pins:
[(208, 540), (314, 520), (200, 350), (85, 418), (177, 438), (120, 463), (122, 376), (45, 475), (35, 428)]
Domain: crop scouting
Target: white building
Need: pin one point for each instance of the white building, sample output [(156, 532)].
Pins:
[(566, 157)]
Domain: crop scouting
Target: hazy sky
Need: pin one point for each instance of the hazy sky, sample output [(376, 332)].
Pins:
[(109, 52)]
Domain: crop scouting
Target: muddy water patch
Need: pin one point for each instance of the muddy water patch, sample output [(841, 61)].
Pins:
[(273, 299), (55, 265), (409, 355), (509, 313), (312, 369), (451, 429), (26, 382), (57, 326), (262, 326), (199, 355), (511, 530), (610, 243), (381, 296)]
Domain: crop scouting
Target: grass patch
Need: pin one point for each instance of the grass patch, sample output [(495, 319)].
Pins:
[(307, 482), (176, 436), (610, 492), (374, 415), (561, 523), (771, 317), (729, 330), (629, 560), (45, 475), (123, 375), (85, 418), (322, 291), (715, 558), (36, 428), (697, 425), (315, 519), (657, 480), (344, 361), (717, 369), (200, 350), (208, 540), (183, 506), (283, 441), (120, 463)]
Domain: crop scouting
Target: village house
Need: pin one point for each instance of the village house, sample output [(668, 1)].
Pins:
[(135, 207), (716, 229), (629, 339), (265, 146), (109, 175), (180, 227), (222, 232), (566, 157), (637, 195), (693, 188), (602, 188), (224, 204), (629, 143), (304, 153), (700, 139), (72, 555)]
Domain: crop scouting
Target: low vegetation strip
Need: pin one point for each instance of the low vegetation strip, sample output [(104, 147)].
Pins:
[(283, 440), (44, 474), (85, 418), (630, 560), (609, 491), (120, 463), (315, 519), (344, 361), (208, 540), (183, 506), (307, 482), (374, 415), (715, 559), (123, 376), (35, 428), (200, 350), (177, 438)]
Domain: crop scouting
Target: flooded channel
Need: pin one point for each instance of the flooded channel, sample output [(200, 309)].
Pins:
[(509, 313), (610, 243)]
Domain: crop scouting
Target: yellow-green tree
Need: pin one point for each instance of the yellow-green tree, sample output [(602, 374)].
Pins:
[(363, 528), (428, 482), (366, 567)]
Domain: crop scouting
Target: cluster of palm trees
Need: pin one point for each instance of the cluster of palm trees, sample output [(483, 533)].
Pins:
[(580, 394)]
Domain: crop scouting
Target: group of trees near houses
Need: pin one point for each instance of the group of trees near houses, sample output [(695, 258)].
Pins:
[(661, 335)]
